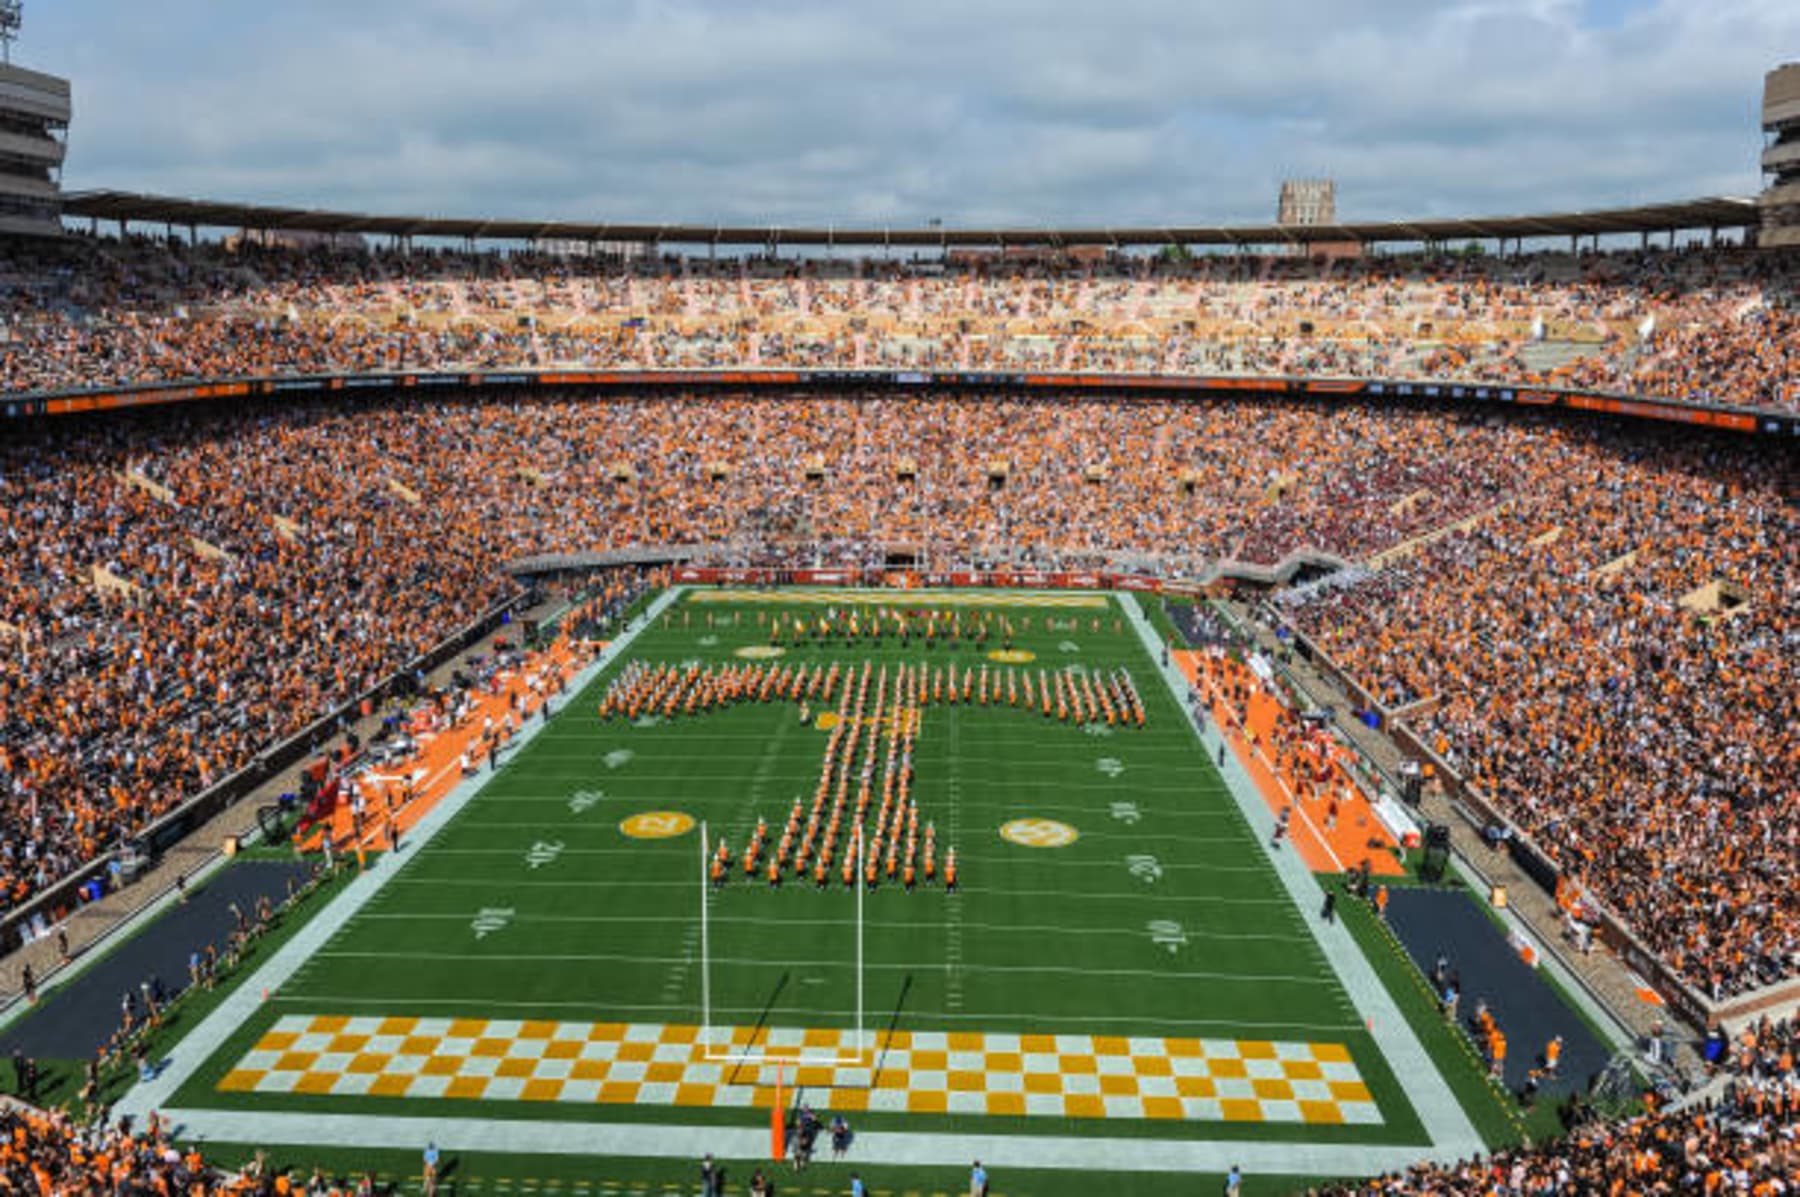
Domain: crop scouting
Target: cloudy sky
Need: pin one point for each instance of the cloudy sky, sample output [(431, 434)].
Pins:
[(973, 111)]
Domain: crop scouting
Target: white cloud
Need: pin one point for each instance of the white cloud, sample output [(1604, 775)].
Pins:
[(1026, 111)]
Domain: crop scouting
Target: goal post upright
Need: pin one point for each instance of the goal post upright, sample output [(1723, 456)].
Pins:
[(862, 845), (861, 1052), (705, 950)]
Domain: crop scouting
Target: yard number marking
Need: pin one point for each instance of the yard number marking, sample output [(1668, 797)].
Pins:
[(1112, 766), (1126, 812), (582, 801), (543, 852), (490, 919), (1145, 868), (1166, 933)]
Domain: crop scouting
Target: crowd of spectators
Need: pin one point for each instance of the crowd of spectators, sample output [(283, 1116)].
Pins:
[(1697, 324), (181, 588), (1744, 1140), (1611, 656)]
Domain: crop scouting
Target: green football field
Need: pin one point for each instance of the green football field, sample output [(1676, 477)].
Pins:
[(1119, 960)]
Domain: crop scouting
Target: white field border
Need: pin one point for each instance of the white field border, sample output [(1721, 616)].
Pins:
[(1451, 1135)]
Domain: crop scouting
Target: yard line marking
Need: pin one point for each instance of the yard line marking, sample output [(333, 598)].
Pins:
[(1027, 1022), (1131, 895), (785, 921), (786, 962)]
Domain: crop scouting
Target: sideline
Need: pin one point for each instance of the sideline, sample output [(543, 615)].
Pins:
[(1453, 1136), (237, 1009), (658, 1140)]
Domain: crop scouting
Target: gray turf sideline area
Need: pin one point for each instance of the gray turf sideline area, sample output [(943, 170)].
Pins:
[(76, 1018)]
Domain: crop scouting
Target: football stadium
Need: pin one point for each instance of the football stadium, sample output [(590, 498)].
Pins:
[(605, 707)]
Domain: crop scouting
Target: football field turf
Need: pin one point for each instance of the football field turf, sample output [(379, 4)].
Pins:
[(1120, 959)]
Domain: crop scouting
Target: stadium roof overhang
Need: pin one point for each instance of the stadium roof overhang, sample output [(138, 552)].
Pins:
[(1710, 213)]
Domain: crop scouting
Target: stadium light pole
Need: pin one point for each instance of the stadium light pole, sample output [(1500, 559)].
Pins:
[(11, 17)]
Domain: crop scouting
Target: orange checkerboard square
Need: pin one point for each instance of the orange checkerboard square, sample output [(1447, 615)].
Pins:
[(541, 1091), (1118, 1085), (1038, 1045), (1350, 1091), (1326, 1112), (467, 1086), (589, 1070), (1079, 1065), (966, 1041), (1083, 1105), (1229, 1069), (1005, 1062), (1043, 1082), (1256, 1049), (636, 1053), (316, 1082), (851, 1100), (397, 1026), (295, 1061), (369, 1062), (1009, 1104), (1151, 1065), (696, 1095), (277, 1041), (537, 1029), (1237, 1109), (1269, 1089), (967, 1082), (1183, 1049), (419, 1045), (516, 1067), (347, 1043), (926, 1102), (1303, 1070), (466, 1028), (241, 1081), (608, 1031), (330, 1022), (619, 1092), (1331, 1053), (390, 1086), (930, 1061), (1196, 1086), (562, 1049), (443, 1065), (1162, 1107), (664, 1074), (491, 1048), (1111, 1045)]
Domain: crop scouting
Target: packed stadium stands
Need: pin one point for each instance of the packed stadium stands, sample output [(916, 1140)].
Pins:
[(1596, 623), (187, 587), (1703, 325), (1745, 1140)]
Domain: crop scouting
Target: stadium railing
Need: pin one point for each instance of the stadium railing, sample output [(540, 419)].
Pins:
[(1738, 419)]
